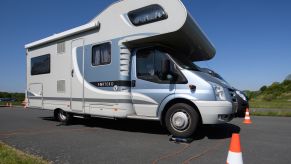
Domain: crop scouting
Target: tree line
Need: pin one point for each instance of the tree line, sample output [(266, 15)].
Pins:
[(17, 96), (275, 91)]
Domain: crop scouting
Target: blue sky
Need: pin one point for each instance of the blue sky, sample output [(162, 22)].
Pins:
[(252, 37)]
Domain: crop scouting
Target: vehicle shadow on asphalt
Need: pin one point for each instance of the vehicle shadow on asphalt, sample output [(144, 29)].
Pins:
[(220, 131), (150, 127)]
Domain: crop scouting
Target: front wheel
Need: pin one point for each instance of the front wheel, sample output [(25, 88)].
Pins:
[(182, 120)]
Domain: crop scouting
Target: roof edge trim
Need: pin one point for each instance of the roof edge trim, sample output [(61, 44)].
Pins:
[(64, 34)]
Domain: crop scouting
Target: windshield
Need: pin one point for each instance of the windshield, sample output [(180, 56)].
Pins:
[(186, 64), (218, 76), (180, 59), (212, 73)]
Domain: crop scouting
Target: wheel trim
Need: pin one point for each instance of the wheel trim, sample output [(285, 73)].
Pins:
[(180, 121), (62, 115)]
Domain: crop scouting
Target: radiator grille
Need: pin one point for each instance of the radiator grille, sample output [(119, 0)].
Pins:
[(232, 94)]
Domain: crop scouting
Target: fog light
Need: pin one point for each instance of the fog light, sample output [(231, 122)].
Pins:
[(223, 117)]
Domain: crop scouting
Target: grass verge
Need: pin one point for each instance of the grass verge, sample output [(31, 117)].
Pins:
[(10, 155), (278, 113), (270, 104)]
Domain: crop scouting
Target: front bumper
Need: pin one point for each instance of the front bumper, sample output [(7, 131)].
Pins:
[(216, 112)]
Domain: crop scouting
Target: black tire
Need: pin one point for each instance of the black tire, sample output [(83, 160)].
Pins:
[(179, 111), (64, 117), (56, 116)]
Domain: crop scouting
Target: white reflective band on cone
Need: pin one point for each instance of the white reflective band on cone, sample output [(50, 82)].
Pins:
[(234, 158)]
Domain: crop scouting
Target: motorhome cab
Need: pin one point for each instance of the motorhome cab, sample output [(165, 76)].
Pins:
[(134, 60)]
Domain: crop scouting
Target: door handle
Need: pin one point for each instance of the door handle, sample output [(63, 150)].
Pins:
[(72, 73)]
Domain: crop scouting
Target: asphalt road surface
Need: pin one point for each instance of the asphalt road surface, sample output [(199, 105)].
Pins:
[(97, 140)]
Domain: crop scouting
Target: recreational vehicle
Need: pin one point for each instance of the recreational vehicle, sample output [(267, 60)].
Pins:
[(132, 61)]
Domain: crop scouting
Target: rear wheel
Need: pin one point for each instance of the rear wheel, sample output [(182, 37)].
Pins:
[(182, 120), (64, 117)]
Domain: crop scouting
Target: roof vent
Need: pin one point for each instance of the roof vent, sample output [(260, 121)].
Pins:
[(61, 86), (61, 48)]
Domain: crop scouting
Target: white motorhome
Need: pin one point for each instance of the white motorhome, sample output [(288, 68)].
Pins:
[(134, 60)]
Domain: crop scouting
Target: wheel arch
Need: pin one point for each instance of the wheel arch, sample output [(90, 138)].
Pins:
[(173, 101)]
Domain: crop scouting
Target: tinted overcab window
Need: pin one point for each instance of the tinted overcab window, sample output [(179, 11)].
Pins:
[(40, 65), (101, 54), (146, 15)]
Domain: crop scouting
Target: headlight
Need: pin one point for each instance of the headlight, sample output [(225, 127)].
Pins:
[(241, 95), (219, 91)]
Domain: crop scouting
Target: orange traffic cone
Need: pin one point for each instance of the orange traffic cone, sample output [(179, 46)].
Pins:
[(25, 104), (234, 154), (247, 119)]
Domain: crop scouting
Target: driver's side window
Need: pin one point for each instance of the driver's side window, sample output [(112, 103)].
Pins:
[(150, 63)]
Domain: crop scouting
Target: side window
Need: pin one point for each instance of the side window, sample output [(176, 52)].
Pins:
[(101, 54), (145, 64), (40, 65), (146, 15), (150, 63)]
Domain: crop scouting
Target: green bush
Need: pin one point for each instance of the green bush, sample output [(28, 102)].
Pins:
[(263, 88), (18, 96), (268, 97), (276, 91)]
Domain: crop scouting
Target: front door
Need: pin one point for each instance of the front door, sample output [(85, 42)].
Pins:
[(35, 95), (77, 75), (150, 84)]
